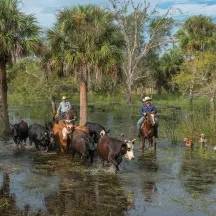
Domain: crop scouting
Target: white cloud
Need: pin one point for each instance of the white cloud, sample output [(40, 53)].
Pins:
[(45, 9), (195, 9)]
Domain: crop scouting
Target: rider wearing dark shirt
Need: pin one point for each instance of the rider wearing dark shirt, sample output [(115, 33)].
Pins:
[(147, 107)]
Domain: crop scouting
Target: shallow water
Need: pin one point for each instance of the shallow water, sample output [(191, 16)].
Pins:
[(170, 181)]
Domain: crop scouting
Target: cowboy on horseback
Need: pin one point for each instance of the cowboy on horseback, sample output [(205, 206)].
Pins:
[(147, 107), (64, 106)]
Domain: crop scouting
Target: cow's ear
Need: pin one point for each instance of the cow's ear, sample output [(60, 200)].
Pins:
[(133, 141), (102, 133)]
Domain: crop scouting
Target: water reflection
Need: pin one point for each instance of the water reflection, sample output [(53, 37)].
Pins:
[(8, 200), (88, 195), (58, 186), (197, 172), (150, 189), (148, 163)]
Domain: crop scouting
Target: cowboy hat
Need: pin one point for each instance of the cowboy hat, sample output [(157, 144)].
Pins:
[(64, 97), (146, 99)]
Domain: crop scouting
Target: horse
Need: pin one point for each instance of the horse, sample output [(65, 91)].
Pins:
[(70, 115), (148, 131)]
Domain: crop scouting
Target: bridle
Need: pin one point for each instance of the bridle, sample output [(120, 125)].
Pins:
[(150, 118)]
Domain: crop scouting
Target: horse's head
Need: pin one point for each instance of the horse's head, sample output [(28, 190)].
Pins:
[(151, 118), (71, 114)]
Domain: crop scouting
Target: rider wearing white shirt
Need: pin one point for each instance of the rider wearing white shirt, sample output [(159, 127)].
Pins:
[(64, 106)]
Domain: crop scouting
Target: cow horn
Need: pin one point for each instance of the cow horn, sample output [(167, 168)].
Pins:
[(125, 141)]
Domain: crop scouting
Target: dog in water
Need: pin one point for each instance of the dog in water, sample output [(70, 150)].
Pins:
[(188, 142), (203, 139)]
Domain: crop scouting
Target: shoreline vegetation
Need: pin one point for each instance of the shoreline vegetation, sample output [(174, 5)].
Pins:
[(172, 108), (99, 57)]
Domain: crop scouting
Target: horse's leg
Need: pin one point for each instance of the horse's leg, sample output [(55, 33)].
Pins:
[(150, 143), (143, 143), (154, 142)]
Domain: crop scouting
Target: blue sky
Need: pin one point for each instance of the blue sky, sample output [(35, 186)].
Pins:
[(45, 10)]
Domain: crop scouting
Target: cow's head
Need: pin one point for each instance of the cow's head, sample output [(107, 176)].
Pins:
[(49, 137), (129, 149), (15, 130)]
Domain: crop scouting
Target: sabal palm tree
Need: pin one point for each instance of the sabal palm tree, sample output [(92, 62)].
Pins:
[(84, 39), (169, 66), (196, 34), (19, 35)]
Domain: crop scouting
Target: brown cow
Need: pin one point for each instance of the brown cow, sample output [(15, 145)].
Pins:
[(112, 150), (82, 143), (63, 134)]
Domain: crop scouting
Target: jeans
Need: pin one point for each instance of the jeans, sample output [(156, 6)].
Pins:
[(139, 123), (62, 115)]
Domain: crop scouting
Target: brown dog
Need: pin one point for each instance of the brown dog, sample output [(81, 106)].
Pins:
[(188, 142)]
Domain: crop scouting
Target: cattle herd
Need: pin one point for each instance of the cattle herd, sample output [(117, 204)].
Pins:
[(65, 136)]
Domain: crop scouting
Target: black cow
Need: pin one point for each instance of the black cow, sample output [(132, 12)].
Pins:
[(19, 132), (83, 144), (94, 130), (41, 136), (112, 150)]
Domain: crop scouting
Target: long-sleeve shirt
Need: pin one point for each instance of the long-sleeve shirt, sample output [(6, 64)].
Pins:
[(63, 107), (145, 109)]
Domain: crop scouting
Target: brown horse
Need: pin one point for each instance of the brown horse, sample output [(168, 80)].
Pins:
[(70, 115), (148, 131)]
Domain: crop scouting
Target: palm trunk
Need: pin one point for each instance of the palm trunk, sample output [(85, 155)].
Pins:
[(83, 103), (4, 119)]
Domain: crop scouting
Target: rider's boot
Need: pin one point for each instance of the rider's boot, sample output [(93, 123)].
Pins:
[(156, 132), (139, 133)]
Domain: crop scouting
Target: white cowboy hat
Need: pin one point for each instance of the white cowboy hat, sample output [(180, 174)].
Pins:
[(64, 97), (146, 99)]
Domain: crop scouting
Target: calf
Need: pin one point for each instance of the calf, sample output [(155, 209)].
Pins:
[(41, 136), (94, 130), (19, 132), (112, 150), (82, 143), (63, 134)]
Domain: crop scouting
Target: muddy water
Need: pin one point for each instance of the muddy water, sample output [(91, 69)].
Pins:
[(170, 181)]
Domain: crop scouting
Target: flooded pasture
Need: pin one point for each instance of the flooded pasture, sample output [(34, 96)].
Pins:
[(171, 181)]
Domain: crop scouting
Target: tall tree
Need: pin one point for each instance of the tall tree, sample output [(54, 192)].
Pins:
[(84, 40), (19, 35), (169, 66), (143, 31), (196, 36)]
